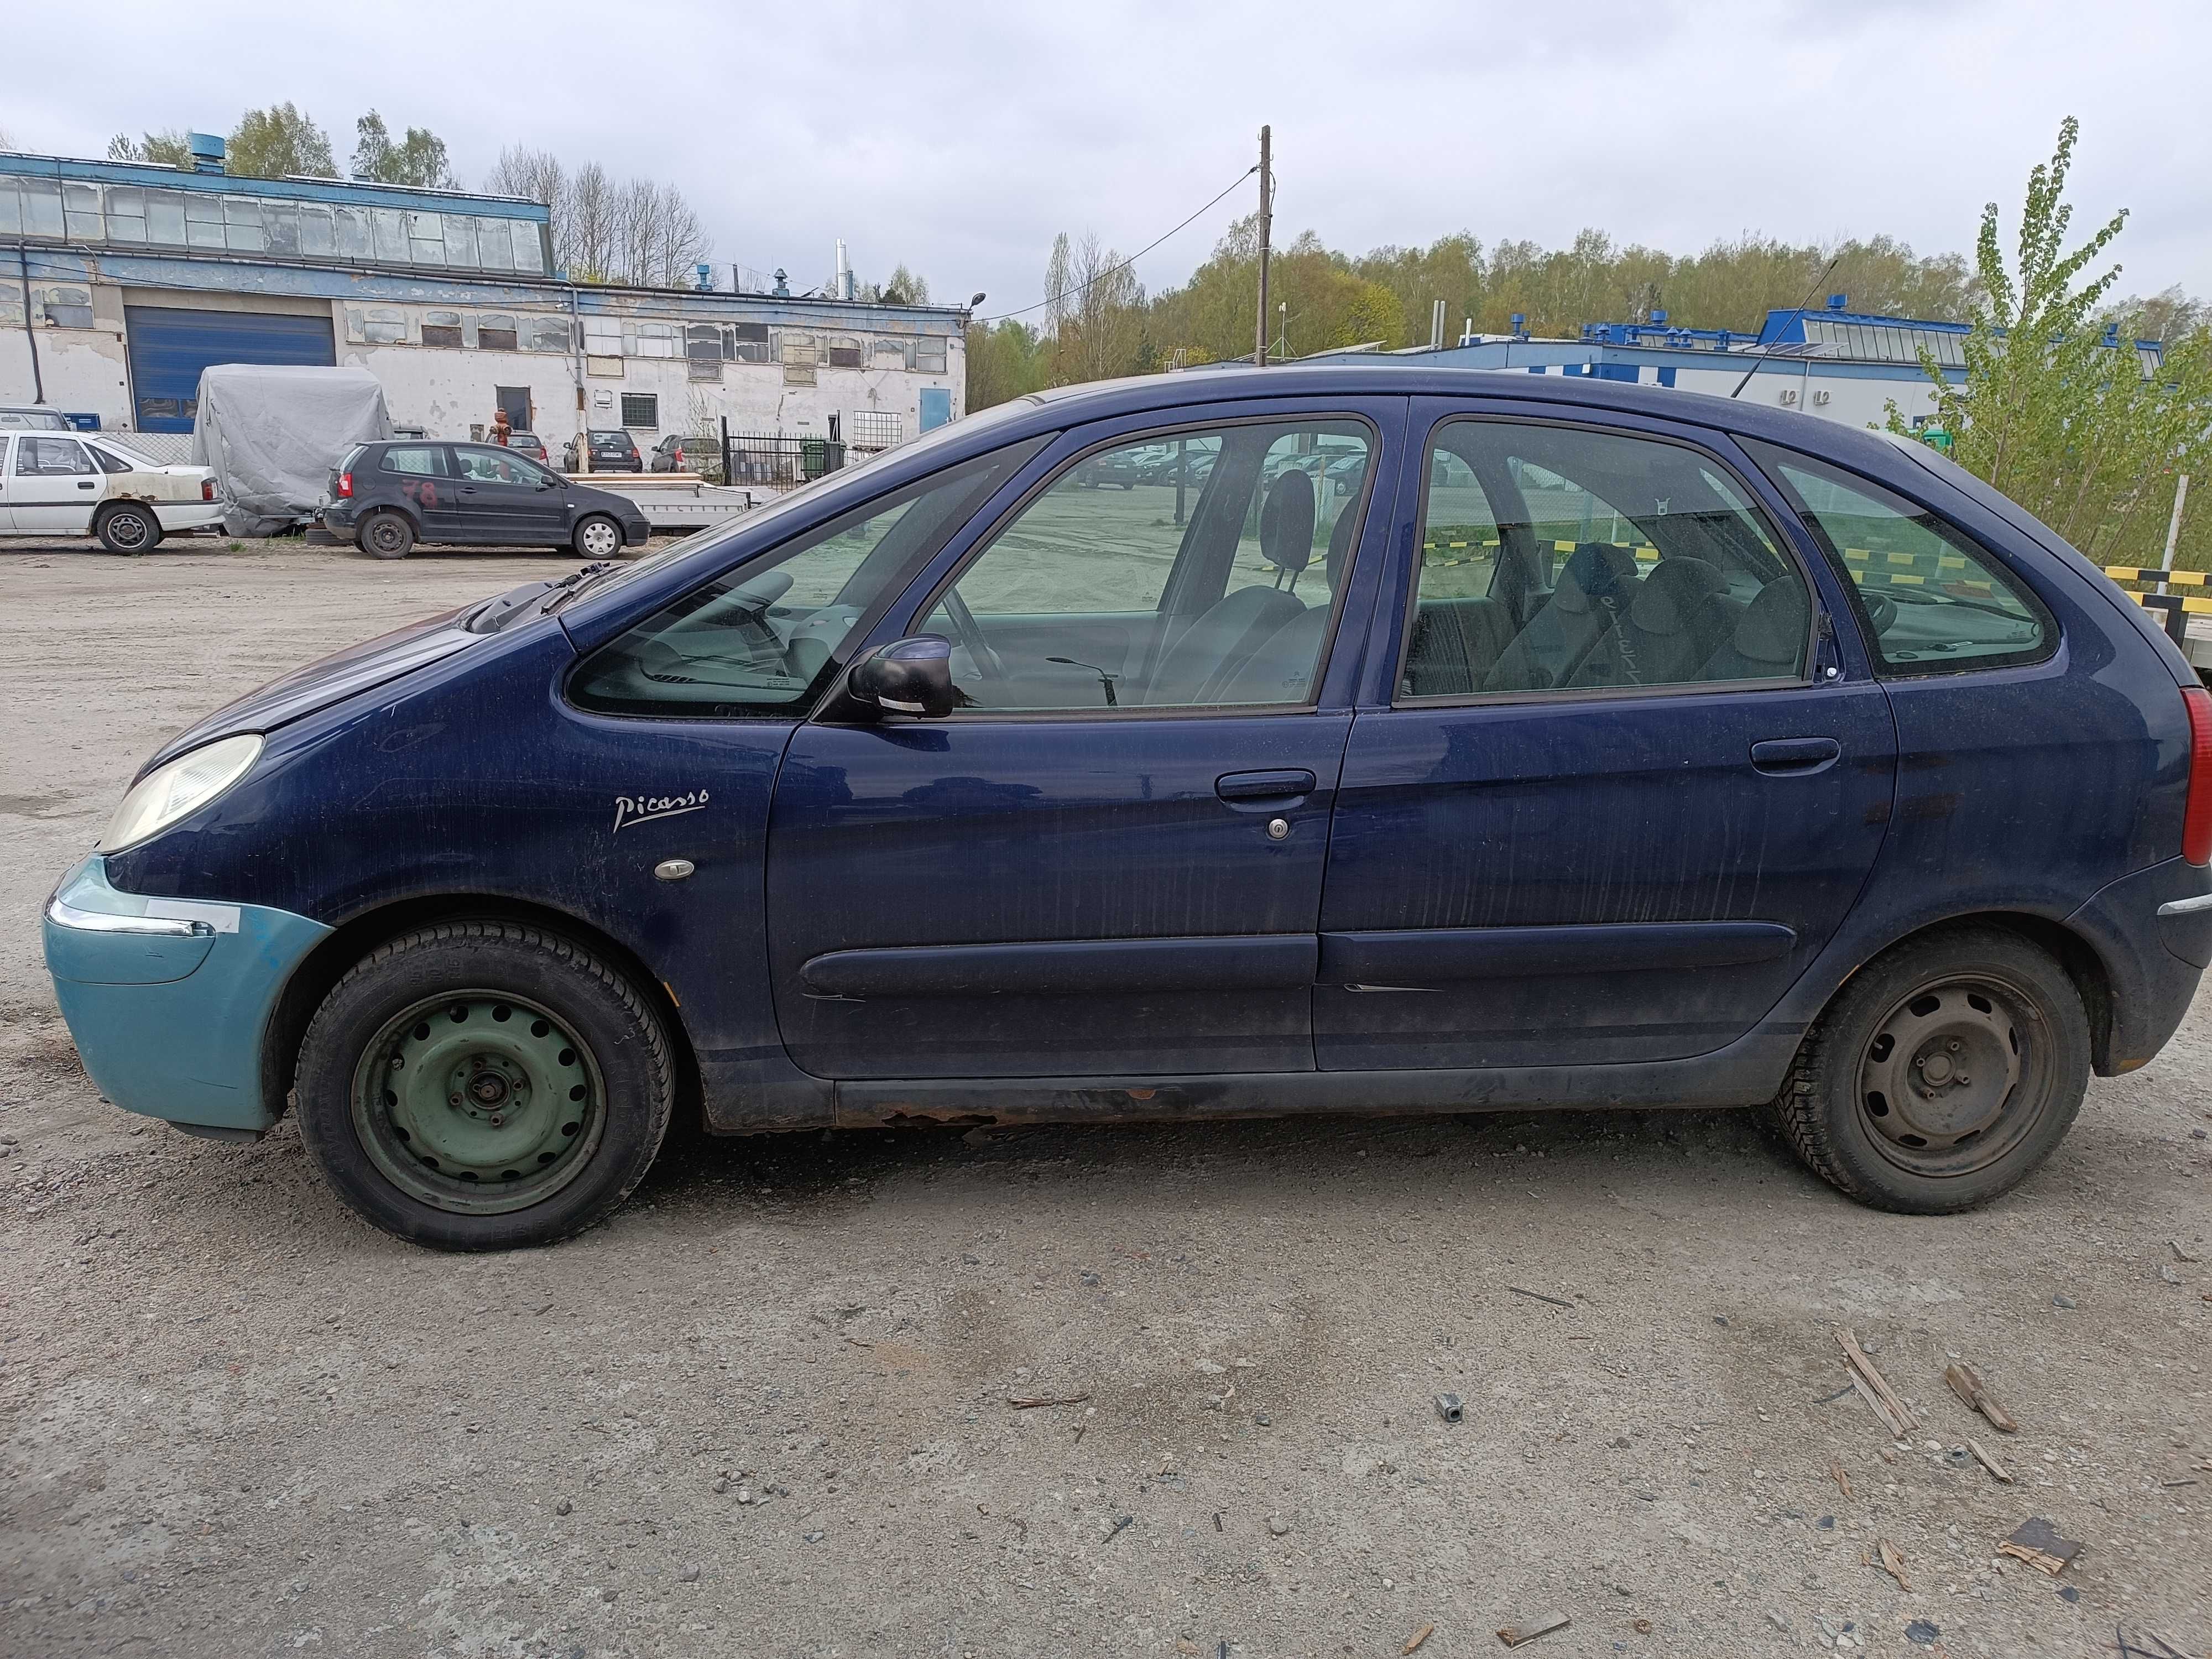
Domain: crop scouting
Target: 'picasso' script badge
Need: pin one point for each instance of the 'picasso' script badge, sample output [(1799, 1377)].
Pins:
[(644, 809)]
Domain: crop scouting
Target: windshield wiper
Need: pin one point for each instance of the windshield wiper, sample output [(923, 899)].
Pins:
[(568, 586)]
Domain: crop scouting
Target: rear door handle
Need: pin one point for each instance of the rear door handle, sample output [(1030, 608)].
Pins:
[(1785, 757), (88, 483), (1251, 787)]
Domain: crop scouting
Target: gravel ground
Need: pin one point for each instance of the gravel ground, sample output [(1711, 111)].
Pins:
[(766, 1409)]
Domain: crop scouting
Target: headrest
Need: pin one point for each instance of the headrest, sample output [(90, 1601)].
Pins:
[(1286, 522), (1675, 591), (1340, 544), (1594, 571), (1773, 625)]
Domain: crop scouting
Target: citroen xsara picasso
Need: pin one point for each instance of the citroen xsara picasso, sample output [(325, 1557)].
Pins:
[(1591, 746)]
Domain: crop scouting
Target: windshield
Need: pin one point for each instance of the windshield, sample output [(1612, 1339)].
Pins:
[(617, 576)]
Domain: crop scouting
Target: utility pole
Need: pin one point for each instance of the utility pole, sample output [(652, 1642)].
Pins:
[(2173, 524), (1266, 220)]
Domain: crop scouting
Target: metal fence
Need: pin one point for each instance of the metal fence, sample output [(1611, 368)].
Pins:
[(778, 460)]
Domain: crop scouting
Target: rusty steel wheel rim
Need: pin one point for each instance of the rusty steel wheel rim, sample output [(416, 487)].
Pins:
[(1956, 1074)]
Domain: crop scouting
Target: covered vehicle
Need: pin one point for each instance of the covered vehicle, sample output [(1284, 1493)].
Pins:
[(1605, 746), (69, 483), (271, 434)]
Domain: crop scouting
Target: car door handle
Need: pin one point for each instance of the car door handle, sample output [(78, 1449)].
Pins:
[(1788, 756), (1263, 786), (88, 483)]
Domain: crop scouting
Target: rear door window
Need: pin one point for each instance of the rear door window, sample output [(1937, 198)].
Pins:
[(1564, 559), (421, 460), (50, 458), (1930, 600)]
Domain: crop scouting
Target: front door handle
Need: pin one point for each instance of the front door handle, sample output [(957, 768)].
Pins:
[(1793, 756), (88, 483), (1251, 787)]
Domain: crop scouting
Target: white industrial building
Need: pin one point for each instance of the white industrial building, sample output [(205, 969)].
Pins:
[(119, 282)]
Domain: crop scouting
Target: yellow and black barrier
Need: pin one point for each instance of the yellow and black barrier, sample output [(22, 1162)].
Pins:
[(2176, 607)]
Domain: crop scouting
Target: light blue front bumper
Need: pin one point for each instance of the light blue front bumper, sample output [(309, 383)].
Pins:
[(169, 999)]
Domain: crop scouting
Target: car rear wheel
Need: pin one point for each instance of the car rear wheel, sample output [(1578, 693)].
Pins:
[(127, 528), (1942, 1074), (598, 537), (387, 536), (483, 1086)]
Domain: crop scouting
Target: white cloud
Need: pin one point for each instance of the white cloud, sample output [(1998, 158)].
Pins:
[(959, 139)]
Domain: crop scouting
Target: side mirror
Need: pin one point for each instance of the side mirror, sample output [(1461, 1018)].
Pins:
[(907, 677)]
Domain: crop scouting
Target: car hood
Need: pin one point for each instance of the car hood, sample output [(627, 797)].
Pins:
[(327, 680)]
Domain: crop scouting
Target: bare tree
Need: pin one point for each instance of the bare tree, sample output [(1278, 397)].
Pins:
[(593, 226)]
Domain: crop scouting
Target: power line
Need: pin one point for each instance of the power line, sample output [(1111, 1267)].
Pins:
[(1000, 317)]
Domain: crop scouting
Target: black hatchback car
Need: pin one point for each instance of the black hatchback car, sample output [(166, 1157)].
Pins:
[(386, 497), (614, 451)]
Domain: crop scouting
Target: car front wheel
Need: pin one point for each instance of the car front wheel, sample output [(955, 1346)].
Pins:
[(483, 1086), (1943, 1074), (598, 537)]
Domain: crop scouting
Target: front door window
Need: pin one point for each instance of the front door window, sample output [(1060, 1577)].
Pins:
[(1199, 569)]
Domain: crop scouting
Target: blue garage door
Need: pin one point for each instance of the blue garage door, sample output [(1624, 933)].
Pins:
[(169, 348)]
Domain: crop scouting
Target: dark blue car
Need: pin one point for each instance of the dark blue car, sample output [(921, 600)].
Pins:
[(1599, 746)]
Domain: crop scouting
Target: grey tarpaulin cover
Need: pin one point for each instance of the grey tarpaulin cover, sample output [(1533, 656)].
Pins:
[(273, 434)]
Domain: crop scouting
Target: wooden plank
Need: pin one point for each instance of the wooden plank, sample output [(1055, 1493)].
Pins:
[(1988, 1461), (1888, 1405), (1514, 1635), (1966, 1383)]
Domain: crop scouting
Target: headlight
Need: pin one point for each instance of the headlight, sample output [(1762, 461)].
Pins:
[(184, 785)]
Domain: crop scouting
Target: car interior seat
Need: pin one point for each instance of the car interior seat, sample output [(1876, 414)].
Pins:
[(1228, 631), (1769, 640), (1673, 623), (1597, 584)]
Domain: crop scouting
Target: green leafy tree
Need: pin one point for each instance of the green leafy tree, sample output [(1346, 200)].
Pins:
[(2058, 408), (417, 158), (905, 289), (165, 149), (272, 142)]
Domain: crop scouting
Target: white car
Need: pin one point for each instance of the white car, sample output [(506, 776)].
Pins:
[(74, 484)]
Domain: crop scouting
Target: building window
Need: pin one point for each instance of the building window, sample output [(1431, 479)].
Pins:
[(81, 212), (41, 212), (352, 227), (64, 306), (797, 351), (495, 331), (376, 325), (748, 343), (547, 334), (529, 247), (929, 355), (641, 409), (889, 354), (280, 224), (844, 353), (655, 340), (126, 213), (241, 225), (442, 329), (426, 238), (317, 240), (602, 337), (203, 220)]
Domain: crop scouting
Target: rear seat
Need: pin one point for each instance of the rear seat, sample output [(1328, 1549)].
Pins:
[(1672, 622), (1597, 581), (1454, 644)]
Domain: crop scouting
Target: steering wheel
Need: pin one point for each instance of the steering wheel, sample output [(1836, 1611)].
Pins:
[(987, 664), (1881, 609)]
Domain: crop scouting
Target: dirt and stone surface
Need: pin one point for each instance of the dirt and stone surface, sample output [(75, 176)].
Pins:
[(765, 1410)]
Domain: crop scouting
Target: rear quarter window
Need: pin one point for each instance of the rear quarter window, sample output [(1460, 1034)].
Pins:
[(1931, 599)]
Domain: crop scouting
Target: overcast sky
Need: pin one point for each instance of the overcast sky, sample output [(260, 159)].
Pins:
[(960, 138)]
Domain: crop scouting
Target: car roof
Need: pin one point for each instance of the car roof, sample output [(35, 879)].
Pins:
[(1060, 406)]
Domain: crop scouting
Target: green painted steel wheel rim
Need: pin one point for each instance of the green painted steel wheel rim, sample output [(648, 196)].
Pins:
[(479, 1102)]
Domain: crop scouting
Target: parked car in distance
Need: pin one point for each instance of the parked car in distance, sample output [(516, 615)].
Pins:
[(33, 418), (613, 451), (1658, 751), (668, 454), (71, 483), (1114, 467), (386, 497), (527, 443)]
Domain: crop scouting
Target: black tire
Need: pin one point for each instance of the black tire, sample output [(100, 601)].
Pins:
[(386, 536), (127, 528), (597, 527), (621, 1040), (1879, 1103)]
